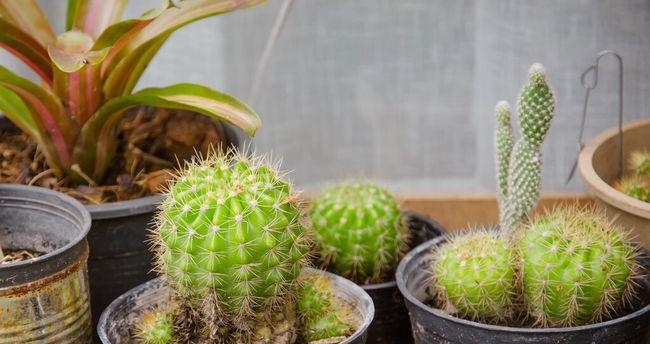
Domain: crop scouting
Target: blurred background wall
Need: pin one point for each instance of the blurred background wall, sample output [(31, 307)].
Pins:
[(403, 91)]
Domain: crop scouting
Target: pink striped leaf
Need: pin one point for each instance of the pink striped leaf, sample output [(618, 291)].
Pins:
[(94, 16), (26, 48), (28, 17), (95, 148)]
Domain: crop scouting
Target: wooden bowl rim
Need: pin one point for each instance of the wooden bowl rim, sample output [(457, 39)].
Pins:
[(599, 187)]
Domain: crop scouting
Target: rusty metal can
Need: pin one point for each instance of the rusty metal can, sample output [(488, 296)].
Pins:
[(44, 299)]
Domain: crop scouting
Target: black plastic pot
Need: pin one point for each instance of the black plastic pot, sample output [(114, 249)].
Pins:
[(120, 316), (119, 255), (45, 299), (431, 325), (391, 324)]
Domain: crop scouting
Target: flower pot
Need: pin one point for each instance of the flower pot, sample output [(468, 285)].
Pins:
[(44, 299), (120, 316), (431, 325), (119, 255), (598, 165), (391, 323)]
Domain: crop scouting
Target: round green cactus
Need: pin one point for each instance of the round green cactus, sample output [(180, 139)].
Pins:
[(322, 315), (360, 232), (634, 186), (578, 268), (155, 327), (640, 162), (230, 238), (475, 276)]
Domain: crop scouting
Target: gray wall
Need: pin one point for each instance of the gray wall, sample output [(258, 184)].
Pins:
[(403, 91)]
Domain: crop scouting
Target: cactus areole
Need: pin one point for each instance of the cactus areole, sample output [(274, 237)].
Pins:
[(230, 238)]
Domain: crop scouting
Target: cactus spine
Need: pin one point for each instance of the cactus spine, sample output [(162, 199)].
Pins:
[(360, 232), (322, 315), (536, 106), (230, 240), (475, 276), (578, 267)]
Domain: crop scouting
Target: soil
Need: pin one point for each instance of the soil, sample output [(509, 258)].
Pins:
[(152, 143), (13, 256)]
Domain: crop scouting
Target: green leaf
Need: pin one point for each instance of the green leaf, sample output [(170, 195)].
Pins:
[(28, 16), (138, 47), (47, 110), (96, 145), (94, 16), (26, 48)]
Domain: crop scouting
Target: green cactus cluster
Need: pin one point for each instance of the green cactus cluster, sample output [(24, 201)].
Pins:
[(322, 315), (640, 162), (359, 230), (578, 268), (568, 267), (637, 184), (475, 276), (231, 241)]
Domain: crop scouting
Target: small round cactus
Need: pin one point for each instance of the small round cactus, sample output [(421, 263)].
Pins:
[(475, 276), (230, 239), (359, 230), (640, 162), (577, 268), (635, 186), (322, 315), (155, 327)]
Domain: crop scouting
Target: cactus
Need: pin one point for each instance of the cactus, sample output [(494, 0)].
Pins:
[(322, 315), (578, 267), (360, 232), (230, 239), (536, 107), (635, 186), (640, 162), (503, 149), (475, 276), (155, 327)]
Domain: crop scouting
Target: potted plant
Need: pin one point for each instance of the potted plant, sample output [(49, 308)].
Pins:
[(232, 248), (361, 234), (567, 276), (625, 201), (44, 294), (81, 138)]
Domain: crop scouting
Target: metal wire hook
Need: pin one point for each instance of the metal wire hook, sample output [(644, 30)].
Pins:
[(593, 69)]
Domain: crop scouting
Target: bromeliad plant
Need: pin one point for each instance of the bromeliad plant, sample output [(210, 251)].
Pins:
[(89, 73)]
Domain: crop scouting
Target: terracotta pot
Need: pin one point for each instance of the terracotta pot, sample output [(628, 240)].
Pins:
[(598, 167)]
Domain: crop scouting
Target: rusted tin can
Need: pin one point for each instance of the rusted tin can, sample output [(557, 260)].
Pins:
[(45, 299)]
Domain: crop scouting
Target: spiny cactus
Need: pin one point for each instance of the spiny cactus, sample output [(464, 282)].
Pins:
[(155, 327), (578, 267), (503, 149), (640, 162), (360, 232), (230, 239), (474, 275), (634, 186), (322, 315), (536, 106)]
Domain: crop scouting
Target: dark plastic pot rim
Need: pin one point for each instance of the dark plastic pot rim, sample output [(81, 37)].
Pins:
[(84, 224), (130, 207), (399, 275)]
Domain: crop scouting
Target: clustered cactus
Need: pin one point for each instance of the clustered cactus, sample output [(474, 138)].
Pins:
[(230, 239), (155, 327), (578, 268), (360, 231), (637, 185), (571, 265)]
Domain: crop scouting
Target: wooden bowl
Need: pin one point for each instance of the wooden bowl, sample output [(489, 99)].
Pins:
[(598, 165)]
